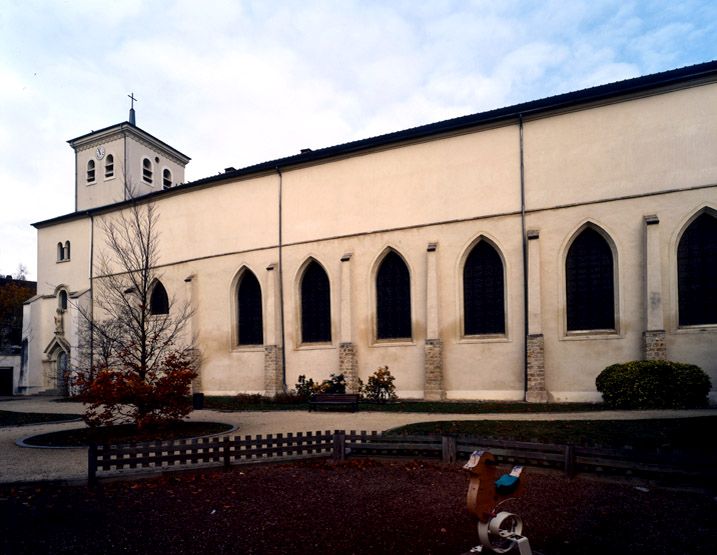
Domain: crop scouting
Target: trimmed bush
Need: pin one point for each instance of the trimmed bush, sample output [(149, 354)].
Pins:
[(653, 384)]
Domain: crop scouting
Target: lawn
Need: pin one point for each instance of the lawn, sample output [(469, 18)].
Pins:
[(690, 434)]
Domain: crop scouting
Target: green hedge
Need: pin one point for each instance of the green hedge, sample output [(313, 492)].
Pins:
[(653, 384)]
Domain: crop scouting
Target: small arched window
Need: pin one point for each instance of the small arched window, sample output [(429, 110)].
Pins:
[(67, 250), (60, 252), (62, 300), (147, 170), (483, 291), (166, 178), (589, 283), (109, 166), (315, 304), (697, 272), (158, 299), (250, 326), (393, 299), (90, 171)]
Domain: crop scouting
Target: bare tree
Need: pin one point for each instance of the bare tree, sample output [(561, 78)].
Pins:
[(138, 363)]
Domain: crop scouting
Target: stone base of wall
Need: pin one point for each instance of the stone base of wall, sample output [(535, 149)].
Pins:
[(535, 390), (273, 376), (653, 345), (433, 366), (348, 366)]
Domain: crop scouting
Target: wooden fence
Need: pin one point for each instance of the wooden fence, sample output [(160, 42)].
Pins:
[(164, 455)]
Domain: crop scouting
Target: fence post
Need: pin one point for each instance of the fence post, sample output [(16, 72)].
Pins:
[(226, 454), (339, 448), (448, 444), (569, 460), (92, 465)]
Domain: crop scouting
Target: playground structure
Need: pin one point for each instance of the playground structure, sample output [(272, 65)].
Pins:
[(499, 532)]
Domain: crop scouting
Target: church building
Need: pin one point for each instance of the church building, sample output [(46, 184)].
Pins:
[(507, 255)]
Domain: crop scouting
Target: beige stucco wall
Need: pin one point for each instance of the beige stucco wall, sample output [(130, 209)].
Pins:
[(459, 177), (607, 166), (73, 273), (651, 144), (104, 190), (137, 151)]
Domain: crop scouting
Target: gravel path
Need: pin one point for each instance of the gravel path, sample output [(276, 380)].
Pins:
[(19, 464)]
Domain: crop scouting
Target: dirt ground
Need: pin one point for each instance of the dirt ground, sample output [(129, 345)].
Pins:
[(359, 506)]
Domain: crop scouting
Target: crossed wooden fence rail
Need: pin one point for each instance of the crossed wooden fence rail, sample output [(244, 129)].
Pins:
[(226, 450)]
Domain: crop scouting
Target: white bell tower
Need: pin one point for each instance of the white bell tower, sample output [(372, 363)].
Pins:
[(123, 161)]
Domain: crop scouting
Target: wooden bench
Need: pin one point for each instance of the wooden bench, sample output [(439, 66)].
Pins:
[(349, 400)]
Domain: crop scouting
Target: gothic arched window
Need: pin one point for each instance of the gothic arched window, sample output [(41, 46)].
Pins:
[(393, 298), (109, 166), (315, 304), (62, 300), (697, 272), (147, 170), (158, 299), (166, 179), (483, 291), (90, 171), (250, 326), (589, 283)]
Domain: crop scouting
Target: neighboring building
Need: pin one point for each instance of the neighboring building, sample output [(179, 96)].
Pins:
[(509, 254), (13, 350)]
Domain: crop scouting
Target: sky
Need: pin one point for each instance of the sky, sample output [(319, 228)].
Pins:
[(233, 83)]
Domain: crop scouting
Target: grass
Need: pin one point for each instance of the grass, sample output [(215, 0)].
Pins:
[(259, 403), (11, 418), (689, 434), (126, 433)]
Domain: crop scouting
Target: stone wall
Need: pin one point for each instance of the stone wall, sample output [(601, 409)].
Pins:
[(653, 343), (535, 392), (348, 366), (273, 378), (433, 388)]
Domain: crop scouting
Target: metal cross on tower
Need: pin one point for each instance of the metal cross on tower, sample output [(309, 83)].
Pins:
[(131, 108)]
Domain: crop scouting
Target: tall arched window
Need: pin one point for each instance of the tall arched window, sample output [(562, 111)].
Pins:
[(90, 171), (483, 291), (158, 299), (67, 250), (250, 326), (60, 252), (589, 283), (62, 300), (166, 179), (315, 304), (393, 299), (109, 166), (697, 272), (147, 170)]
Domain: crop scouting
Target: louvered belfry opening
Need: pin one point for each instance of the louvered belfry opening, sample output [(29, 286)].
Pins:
[(590, 289), (697, 272), (315, 305), (393, 299), (250, 328), (483, 291)]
